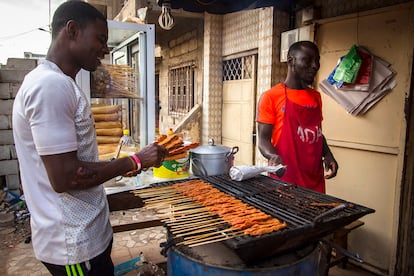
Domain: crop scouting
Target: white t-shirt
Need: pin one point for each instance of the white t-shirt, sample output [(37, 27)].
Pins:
[(51, 115)]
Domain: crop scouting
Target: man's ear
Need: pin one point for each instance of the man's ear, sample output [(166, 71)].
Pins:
[(72, 29), (290, 60)]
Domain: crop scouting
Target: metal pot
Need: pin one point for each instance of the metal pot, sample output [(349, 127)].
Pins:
[(212, 159)]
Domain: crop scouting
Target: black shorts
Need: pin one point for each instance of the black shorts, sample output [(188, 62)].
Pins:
[(101, 265)]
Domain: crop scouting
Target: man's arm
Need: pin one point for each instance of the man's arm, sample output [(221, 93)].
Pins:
[(329, 161), (66, 172), (265, 144)]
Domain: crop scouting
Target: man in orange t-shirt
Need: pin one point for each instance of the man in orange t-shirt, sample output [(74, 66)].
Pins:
[(290, 123)]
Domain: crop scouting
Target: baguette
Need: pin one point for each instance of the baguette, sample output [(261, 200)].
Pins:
[(107, 148), (103, 124), (107, 139), (106, 156), (105, 109), (109, 132), (106, 117)]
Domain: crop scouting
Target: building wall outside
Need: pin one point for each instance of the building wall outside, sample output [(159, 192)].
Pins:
[(370, 148), (184, 48), (11, 77), (259, 30)]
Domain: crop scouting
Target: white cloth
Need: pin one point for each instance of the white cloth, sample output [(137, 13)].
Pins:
[(244, 172), (51, 115)]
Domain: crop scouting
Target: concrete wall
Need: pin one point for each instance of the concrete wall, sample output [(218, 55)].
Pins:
[(11, 76)]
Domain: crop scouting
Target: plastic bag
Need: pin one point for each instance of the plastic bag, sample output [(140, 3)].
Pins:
[(244, 172), (347, 70)]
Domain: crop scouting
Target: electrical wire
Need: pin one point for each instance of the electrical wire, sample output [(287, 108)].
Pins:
[(24, 33)]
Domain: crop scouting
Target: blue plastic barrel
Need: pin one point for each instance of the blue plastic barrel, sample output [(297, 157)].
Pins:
[(217, 260)]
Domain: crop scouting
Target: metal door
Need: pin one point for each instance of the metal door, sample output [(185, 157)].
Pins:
[(239, 106)]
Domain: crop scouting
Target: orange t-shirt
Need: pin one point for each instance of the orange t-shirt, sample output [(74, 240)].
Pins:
[(271, 108)]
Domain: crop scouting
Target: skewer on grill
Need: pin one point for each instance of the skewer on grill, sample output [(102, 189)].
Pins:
[(186, 218), (186, 224), (177, 232), (211, 238), (188, 206)]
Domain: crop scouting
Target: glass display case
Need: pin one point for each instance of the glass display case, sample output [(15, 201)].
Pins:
[(122, 90)]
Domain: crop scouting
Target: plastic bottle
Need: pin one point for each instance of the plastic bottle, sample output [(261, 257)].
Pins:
[(126, 146), (170, 131)]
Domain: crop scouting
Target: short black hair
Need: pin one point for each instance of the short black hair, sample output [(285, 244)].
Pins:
[(297, 46), (76, 10)]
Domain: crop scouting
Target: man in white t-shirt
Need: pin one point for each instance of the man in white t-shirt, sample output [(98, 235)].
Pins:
[(56, 146)]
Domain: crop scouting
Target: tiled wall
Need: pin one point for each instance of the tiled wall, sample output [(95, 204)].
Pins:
[(240, 31), (212, 78), (258, 30)]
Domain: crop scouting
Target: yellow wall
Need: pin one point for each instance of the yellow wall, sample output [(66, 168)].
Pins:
[(370, 148)]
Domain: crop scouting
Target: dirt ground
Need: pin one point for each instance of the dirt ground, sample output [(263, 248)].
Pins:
[(13, 235)]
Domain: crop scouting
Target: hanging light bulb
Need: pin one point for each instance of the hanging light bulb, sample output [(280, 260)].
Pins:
[(166, 20)]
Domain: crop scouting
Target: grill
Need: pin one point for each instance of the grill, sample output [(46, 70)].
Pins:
[(306, 223)]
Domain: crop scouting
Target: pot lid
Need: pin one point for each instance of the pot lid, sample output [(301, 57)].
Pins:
[(211, 148)]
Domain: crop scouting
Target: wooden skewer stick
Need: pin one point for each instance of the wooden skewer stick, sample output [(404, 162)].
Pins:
[(157, 195), (154, 190), (212, 241), (211, 237), (165, 196), (197, 231), (197, 227), (166, 203), (186, 212), (186, 218), (162, 205), (182, 205), (178, 209), (196, 224), (171, 201), (228, 231), (186, 224)]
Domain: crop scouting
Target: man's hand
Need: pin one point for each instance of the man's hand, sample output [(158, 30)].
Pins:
[(329, 161), (275, 160), (152, 155), (330, 165)]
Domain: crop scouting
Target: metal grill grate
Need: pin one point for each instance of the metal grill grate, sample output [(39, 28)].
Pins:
[(289, 203)]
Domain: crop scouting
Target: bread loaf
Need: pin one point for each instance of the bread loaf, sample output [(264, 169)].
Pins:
[(106, 117), (107, 148), (109, 132), (107, 139), (106, 156), (103, 124), (105, 109)]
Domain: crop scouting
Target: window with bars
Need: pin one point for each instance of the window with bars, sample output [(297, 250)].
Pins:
[(238, 68), (181, 90)]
